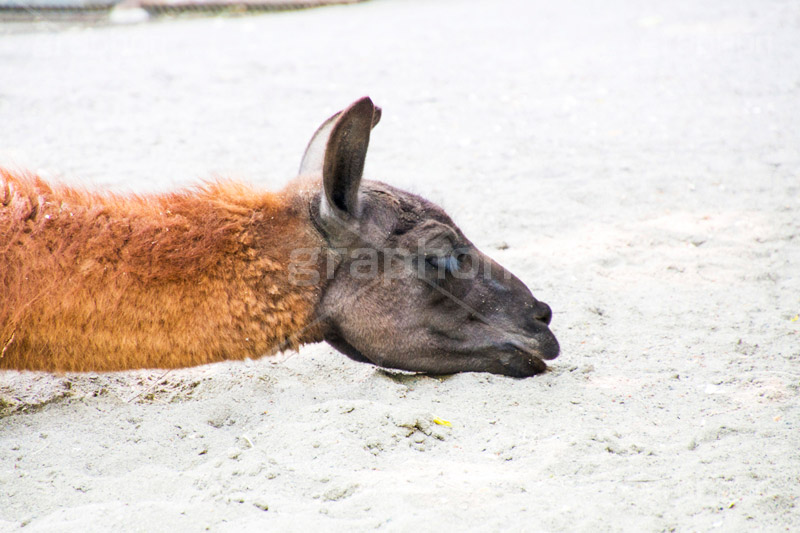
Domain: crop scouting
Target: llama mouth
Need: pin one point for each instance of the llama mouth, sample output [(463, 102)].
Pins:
[(518, 360), (549, 347), (520, 363), (543, 346)]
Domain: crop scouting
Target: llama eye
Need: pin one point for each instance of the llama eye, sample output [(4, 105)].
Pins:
[(446, 263), (433, 261), (452, 263)]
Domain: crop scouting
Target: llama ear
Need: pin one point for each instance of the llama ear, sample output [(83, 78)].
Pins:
[(314, 156), (344, 157)]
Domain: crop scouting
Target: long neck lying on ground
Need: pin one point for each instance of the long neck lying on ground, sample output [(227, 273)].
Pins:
[(103, 282)]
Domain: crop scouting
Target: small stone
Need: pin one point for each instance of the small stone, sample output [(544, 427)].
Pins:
[(339, 493)]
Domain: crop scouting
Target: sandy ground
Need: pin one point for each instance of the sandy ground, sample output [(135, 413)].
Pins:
[(636, 163)]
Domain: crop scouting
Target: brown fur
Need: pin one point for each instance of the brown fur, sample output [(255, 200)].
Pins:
[(94, 281)]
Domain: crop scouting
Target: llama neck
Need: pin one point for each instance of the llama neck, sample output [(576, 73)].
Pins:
[(100, 282)]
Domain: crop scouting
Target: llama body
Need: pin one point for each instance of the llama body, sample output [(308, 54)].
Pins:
[(92, 281), (107, 282)]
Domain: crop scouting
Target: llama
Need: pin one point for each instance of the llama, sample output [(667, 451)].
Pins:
[(103, 282)]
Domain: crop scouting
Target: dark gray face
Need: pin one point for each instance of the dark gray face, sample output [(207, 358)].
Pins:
[(409, 290), (415, 294)]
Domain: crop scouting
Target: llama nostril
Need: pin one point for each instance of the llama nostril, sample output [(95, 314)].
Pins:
[(543, 313)]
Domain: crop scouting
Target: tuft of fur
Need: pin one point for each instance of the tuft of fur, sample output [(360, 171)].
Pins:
[(103, 282)]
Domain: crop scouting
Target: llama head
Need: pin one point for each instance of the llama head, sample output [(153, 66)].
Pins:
[(406, 289)]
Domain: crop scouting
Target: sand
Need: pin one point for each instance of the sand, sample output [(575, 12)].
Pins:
[(637, 164)]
